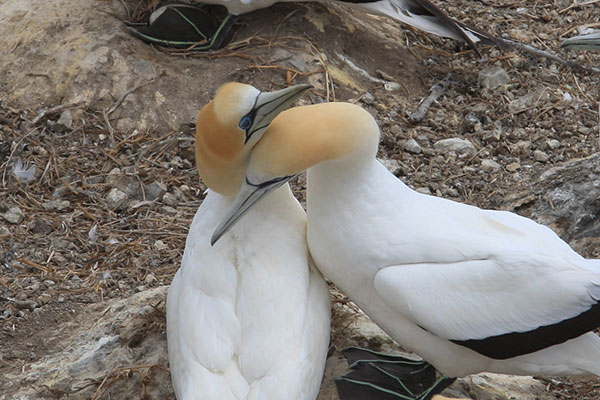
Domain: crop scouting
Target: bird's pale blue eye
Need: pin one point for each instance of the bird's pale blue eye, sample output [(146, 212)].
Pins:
[(246, 122)]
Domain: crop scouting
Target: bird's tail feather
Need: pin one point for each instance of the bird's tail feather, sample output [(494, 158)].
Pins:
[(384, 376), (425, 15)]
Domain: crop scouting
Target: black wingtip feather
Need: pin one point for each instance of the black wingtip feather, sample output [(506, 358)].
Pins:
[(515, 344)]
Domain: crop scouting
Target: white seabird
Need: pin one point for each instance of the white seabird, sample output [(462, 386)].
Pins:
[(249, 317), (469, 290)]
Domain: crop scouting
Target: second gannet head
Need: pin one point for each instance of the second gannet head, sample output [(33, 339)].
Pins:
[(296, 140), (230, 125)]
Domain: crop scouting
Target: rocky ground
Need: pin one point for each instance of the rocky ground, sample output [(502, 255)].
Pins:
[(98, 186)]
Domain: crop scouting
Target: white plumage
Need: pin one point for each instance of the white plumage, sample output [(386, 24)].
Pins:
[(469, 290), (247, 318), (421, 14)]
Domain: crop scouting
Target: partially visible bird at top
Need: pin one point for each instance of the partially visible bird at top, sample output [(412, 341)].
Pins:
[(249, 317), (469, 290), (190, 19)]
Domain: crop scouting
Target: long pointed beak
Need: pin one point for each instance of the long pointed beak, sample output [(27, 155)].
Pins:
[(590, 41), (270, 104), (248, 196)]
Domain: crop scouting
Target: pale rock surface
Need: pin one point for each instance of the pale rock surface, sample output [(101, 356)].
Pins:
[(107, 340), (69, 51), (457, 145)]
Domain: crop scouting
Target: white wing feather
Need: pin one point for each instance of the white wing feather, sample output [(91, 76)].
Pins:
[(482, 298)]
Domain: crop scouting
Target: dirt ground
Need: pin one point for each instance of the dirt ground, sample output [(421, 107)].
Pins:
[(75, 243)]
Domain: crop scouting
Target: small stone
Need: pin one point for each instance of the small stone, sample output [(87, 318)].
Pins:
[(493, 77), (61, 298), (56, 205), (44, 298), (423, 190), (14, 215), (392, 86), (491, 136), (455, 145), (150, 278), (540, 156), (25, 305), (392, 165), (49, 283), (160, 245), (553, 144), (521, 147), (39, 226), (367, 98), (7, 313), (513, 166), (169, 210), (39, 150), (155, 191), (170, 199), (452, 192), (584, 130), (115, 198), (396, 130), (66, 119), (412, 146), (472, 120), (490, 165)]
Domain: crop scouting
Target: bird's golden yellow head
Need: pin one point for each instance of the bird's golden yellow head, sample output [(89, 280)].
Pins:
[(230, 125), (296, 140), (302, 137)]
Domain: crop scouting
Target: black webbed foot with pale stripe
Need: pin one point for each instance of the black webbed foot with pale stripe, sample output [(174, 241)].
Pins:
[(383, 376), (181, 26)]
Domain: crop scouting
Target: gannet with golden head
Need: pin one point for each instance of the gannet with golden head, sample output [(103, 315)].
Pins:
[(469, 290), (249, 317)]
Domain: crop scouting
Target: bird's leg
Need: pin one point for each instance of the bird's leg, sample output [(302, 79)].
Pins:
[(223, 30), (384, 376), (198, 27)]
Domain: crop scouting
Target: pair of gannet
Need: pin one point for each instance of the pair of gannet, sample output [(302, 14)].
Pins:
[(421, 14), (249, 317), (469, 290)]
